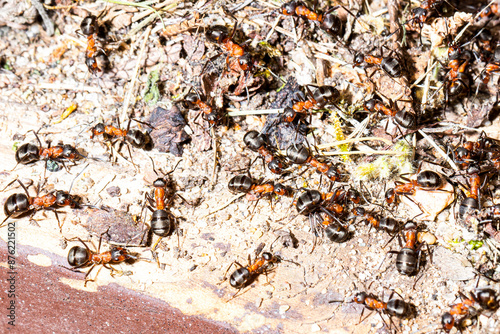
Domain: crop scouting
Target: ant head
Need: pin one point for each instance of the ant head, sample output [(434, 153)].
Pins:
[(160, 183), (62, 198), (360, 297), (27, 153), (254, 140), (358, 211), (409, 226), (191, 99), (78, 256), (333, 174), (359, 59), (89, 25), (419, 12), (275, 166), (212, 118), (289, 8), (370, 104), (217, 34), (487, 298), (447, 321), (267, 256), (70, 152), (332, 24), (97, 130)]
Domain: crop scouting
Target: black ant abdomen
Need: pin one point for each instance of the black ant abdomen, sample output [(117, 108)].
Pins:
[(161, 223), (89, 25), (391, 66), (78, 256), (332, 24), (468, 206), (406, 261), (308, 201), (239, 277), (406, 119), (398, 308), (240, 183), (335, 232), (27, 153), (15, 205), (254, 140), (429, 180)]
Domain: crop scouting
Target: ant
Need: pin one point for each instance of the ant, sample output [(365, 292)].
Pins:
[(389, 65), (136, 138), (492, 10), (402, 117), (300, 105), (254, 191), (408, 258), (311, 200), (162, 219), (299, 154), (29, 153), (95, 57), (394, 307), (426, 180), (420, 14), (220, 36), (328, 22), (331, 227), (258, 142), (488, 70), (245, 275), (480, 299), (79, 257), (209, 114), (20, 204), (389, 225)]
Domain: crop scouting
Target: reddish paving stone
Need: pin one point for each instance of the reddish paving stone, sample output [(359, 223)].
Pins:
[(44, 305)]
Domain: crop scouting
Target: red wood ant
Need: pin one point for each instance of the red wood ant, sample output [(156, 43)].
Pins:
[(318, 99), (491, 10), (254, 191), (488, 70), (312, 200), (389, 225), (208, 112), (328, 22), (134, 137), (408, 258), (426, 180), (79, 257), (402, 117), (299, 154), (329, 225), (389, 65), (18, 205), (242, 276), (257, 142), (95, 56), (423, 12), (28, 153), (480, 299), (394, 307)]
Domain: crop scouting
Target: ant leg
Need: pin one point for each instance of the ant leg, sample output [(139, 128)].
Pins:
[(87, 279)]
